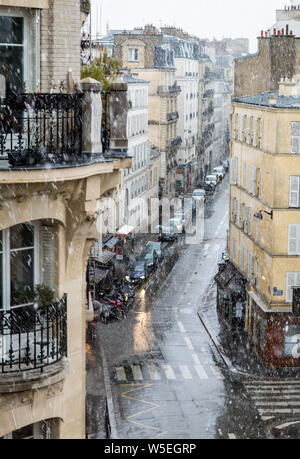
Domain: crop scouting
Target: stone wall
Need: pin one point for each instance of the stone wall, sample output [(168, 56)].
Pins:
[(60, 43), (261, 72), (148, 43)]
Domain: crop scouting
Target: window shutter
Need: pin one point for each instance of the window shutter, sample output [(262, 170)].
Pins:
[(255, 132), (259, 184), (249, 221), (47, 245), (246, 220), (294, 191), (295, 138), (245, 176), (261, 133), (248, 130), (293, 239), (242, 258)]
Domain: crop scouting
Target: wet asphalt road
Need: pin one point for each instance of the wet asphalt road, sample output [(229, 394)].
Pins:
[(164, 377)]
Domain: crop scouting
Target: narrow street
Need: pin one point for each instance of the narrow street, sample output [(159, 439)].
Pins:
[(164, 378)]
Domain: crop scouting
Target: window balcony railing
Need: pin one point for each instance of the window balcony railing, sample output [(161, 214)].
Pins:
[(176, 142), (172, 116), (38, 129), (33, 339), (169, 89)]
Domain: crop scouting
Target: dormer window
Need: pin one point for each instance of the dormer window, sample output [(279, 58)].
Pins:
[(133, 55)]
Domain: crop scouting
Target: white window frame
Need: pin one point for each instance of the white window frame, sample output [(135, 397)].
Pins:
[(294, 201), (132, 55), (6, 251), (292, 280), (295, 139), (294, 240)]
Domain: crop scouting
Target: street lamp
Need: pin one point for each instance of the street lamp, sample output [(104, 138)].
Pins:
[(259, 215)]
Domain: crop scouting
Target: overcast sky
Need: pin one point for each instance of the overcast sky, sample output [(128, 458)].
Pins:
[(204, 18)]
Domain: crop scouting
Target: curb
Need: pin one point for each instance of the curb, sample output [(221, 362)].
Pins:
[(227, 365), (109, 395)]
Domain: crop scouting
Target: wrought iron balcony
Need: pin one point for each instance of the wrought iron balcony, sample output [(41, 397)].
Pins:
[(172, 116), (37, 129), (33, 339), (169, 90), (176, 142), (85, 6)]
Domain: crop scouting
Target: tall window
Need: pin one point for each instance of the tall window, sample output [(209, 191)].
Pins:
[(292, 280), (296, 138), (19, 265), (294, 192), (133, 55), (294, 240), (12, 52)]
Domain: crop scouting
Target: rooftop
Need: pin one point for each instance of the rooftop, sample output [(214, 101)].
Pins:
[(270, 100)]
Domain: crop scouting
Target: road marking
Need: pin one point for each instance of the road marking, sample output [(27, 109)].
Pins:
[(284, 426), (274, 411), (231, 436), (206, 247), (185, 372), (168, 371), (196, 359), (137, 373), (276, 404), (201, 372), (181, 327), (121, 374), (154, 374), (276, 397), (216, 372), (188, 343), (267, 418)]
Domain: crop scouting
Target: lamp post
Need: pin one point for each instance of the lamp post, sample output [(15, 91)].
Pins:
[(259, 215)]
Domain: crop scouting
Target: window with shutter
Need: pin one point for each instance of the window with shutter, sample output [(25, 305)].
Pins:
[(295, 138), (261, 130), (244, 175), (250, 221), (294, 192), (242, 258), (255, 132), (246, 220), (292, 280), (47, 247), (248, 130), (257, 274), (241, 216), (294, 240), (234, 171), (258, 182)]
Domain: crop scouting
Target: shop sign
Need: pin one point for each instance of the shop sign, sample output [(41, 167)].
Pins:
[(277, 292)]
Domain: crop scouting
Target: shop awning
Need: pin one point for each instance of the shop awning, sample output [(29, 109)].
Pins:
[(110, 244), (224, 277), (125, 231), (100, 274), (106, 257)]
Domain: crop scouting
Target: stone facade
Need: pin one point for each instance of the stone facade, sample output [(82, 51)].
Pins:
[(60, 43)]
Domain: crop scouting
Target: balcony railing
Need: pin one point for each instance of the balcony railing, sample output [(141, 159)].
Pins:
[(169, 89), (172, 116), (176, 142), (38, 129), (33, 339)]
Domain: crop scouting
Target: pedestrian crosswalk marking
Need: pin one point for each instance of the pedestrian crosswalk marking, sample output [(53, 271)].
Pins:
[(185, 372), (137, 373), (181, 327), (121, 374), (154, 374), (274, 398), (189, 343), (155, 370), (168, 372), (201, 372)]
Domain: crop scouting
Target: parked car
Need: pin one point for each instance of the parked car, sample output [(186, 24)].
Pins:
[(226, 164), (150, 257), (220, 171), (167, 234), (158, 247), (218, 177), (199, 194), (211, 180), (137, 273)]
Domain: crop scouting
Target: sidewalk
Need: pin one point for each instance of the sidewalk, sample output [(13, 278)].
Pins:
[(234, 351)]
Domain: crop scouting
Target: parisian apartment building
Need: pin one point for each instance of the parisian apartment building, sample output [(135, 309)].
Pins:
[(53, 177)]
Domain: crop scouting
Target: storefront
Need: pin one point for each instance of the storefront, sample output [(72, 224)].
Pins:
[(231, 296), (275, 335)]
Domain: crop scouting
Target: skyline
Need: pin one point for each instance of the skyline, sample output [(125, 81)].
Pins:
[(234, 18)]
